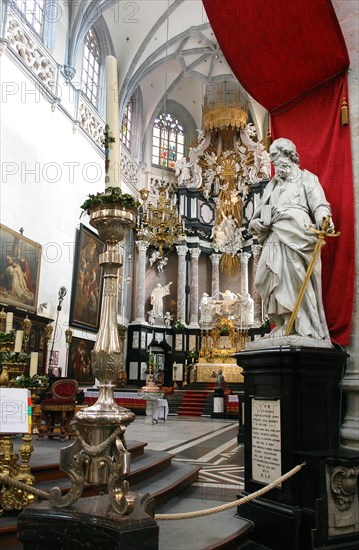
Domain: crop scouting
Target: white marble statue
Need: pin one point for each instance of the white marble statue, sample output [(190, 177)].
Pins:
[(167, 319), (157, 295), (227, 236), (245, 310), (207, 308), (293, 200)]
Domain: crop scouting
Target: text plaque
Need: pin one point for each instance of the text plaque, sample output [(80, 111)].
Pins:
[(266, 440)]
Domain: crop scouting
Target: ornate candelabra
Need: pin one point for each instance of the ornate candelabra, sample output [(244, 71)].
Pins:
[(99, 455), (160, 223)]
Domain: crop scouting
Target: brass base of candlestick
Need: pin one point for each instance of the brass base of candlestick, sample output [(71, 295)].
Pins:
[(99, 454)]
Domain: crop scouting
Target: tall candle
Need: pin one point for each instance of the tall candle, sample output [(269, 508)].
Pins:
[(112, 120), (34, 359), (9, 321), (18, 341)]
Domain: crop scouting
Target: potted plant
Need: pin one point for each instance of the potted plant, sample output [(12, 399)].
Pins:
[(111, 197)]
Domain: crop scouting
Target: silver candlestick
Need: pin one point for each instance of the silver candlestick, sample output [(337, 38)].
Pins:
[(99, 454)]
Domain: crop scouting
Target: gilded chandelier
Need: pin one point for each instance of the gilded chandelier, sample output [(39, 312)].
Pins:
[(160, 224)]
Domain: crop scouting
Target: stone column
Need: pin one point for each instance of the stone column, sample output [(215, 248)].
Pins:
[(141, 279), (193, 310), (215, 258), (245, 257), (258, 314), (181, 282), (4, 14)]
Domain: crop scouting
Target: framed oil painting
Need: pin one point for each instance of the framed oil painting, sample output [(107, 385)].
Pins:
[(20, 260), (80, 361), (87, 281)]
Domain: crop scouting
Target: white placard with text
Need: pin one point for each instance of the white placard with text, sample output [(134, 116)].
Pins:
[(266, 440)]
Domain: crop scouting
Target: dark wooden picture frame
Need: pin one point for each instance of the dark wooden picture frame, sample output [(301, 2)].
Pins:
[(79, 366), (87, 282), (20, 260)]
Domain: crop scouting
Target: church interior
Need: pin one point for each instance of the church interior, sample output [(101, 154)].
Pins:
[(185, 346)]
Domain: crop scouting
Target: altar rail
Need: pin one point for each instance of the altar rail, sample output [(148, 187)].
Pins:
[(129, 400)]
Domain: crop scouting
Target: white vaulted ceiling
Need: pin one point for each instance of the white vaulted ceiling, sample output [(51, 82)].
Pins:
[(165, 47)]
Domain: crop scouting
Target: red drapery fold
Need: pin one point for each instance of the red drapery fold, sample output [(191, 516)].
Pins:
[(291, 57)]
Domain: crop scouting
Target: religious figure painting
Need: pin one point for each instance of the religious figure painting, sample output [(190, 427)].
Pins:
[(87, 281), (80, 367), (20, 260)]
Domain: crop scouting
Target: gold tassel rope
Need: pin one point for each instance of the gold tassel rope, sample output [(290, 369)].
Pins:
[(344, 112), (268, 141)]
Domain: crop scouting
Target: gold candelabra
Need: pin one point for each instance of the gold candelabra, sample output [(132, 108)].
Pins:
[(160, 224)]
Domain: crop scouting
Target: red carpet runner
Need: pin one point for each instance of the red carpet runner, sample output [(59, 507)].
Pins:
[(193, 403)]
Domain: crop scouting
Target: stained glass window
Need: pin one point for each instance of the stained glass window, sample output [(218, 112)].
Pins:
[(167, 141), (33, 11), (91, 67), (126, 127)]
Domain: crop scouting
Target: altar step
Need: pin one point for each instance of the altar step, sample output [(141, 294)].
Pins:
[(193, 403), (152, 472)]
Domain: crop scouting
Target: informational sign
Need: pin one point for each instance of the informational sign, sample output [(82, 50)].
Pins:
[(266, 440), (15, 410)]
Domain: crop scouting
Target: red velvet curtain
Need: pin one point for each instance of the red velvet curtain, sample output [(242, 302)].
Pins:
[(290, 55)]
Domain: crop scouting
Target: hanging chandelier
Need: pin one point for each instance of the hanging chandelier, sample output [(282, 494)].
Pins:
[(160, 223)]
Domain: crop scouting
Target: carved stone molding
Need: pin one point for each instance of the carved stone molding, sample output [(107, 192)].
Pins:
[(91, 122), (32, 53), (69, 73), (343, 485)]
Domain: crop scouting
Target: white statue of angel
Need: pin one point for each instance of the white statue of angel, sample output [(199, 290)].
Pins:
[(154, 257)]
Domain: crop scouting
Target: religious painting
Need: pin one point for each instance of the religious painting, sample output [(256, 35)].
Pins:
[(80, 361), (19, 270), (87, 282)]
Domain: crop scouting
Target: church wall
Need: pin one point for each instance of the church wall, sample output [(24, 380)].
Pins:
[(53, 170)]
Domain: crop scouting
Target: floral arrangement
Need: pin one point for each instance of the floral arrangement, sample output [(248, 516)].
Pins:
[(35, 381), (178, 326), (6, 337), (266, 323), (110, 195), (192, 356), (14, 357)]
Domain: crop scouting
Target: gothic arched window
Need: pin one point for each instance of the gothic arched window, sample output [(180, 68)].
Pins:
[(90, 78), (167, 141), (33, 12), (126, 126)]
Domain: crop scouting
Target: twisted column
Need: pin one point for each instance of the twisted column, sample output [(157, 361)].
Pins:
[(193, 320), (215, 258), (256, 250), (141, 279), (181, 282)]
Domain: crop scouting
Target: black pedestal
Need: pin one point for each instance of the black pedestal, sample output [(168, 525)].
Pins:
[(89, 523), (292, 405)]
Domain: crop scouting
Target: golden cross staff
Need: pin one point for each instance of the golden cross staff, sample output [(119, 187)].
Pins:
[(320, 243)]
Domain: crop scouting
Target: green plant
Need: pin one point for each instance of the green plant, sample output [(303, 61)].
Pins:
[(7, 336), (111, 195), (14, 357), (192, 356), (122, 329), (179, 326), (36, 381)]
